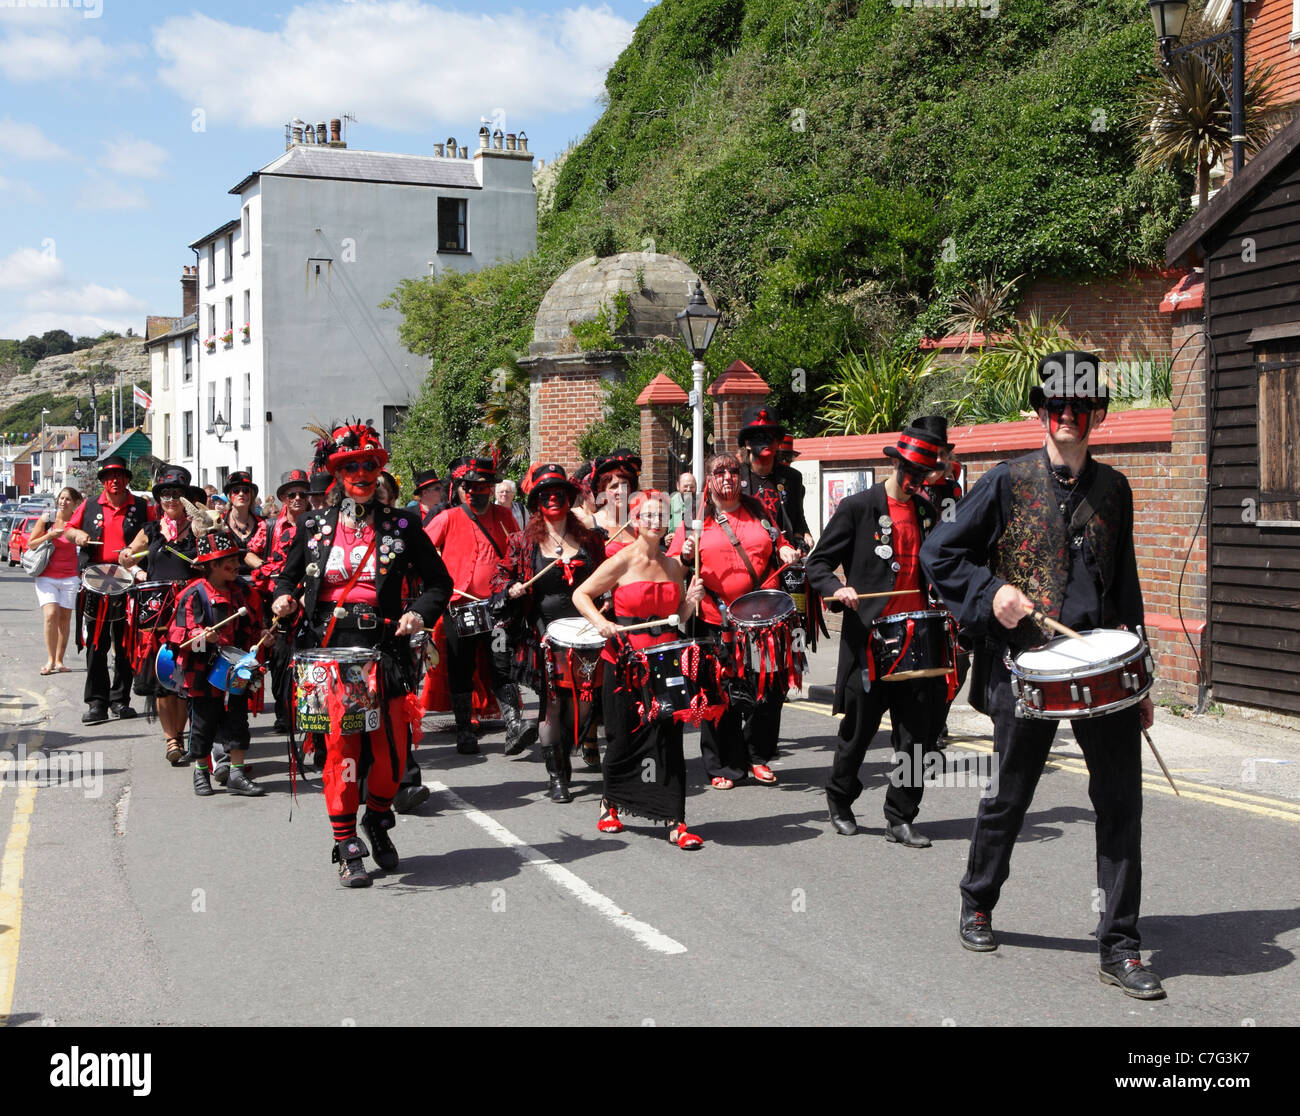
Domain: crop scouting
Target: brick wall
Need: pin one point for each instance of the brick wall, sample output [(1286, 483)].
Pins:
[(1118, 317), (656, 441), (567, 403)]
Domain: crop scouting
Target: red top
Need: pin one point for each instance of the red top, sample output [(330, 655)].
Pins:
[(469, 557), (906, 541), (348, 550), (63, 561), (721, 568), (649, 599), (112, 543)]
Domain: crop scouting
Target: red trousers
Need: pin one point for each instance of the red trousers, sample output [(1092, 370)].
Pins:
[(349, 756)]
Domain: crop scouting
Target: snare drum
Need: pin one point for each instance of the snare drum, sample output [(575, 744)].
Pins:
[(1068, 678), (573, 648), (234, 671), (681, 682), (763, 646), (470, 618), (913, 645), (336, 689), (149, 606), (103, 597)]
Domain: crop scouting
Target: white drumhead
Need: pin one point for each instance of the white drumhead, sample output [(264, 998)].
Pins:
[(1100, 645), (573, 631)]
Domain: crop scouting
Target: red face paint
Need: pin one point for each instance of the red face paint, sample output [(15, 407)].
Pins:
[(1082, 420), (115, 484)]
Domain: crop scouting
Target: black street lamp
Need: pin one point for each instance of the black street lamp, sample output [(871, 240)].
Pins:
[(1168, 17), (696, 324)]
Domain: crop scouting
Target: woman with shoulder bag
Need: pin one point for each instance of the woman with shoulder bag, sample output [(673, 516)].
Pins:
[(56, 585)]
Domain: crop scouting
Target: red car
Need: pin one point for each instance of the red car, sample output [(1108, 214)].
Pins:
[(18, 538)]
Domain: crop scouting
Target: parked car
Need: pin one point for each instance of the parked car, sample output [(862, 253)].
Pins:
[(6, 522), (18, 537)]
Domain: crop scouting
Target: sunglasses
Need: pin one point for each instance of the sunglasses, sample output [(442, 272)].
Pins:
[(652, 517), (170, 494), (1078, 406), (295, 496), (351, 467), (555, 496), (242, 490)]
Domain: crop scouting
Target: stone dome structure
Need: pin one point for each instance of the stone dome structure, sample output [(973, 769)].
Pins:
[(656, 287)]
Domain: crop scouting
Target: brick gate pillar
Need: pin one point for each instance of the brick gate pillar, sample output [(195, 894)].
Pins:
[(657, 401), (737, 388)]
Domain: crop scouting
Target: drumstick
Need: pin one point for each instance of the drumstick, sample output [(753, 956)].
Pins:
[(671, 622), (1055, 625), (1160, 761), (229, 619), (170, 551), (696, 524), (547, 568), (467, 596)]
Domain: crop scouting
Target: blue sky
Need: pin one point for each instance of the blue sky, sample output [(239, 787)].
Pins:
[(123, 123)]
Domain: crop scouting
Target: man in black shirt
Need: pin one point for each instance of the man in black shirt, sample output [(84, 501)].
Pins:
[(1018, 542), (761, 434)]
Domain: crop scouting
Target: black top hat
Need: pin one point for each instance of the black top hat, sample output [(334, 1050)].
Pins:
[(936, 425), (177, 476), (473, 470), (1070, 375), (293, 476), (320, 483), (114, 462), (424, 478), (215, 544), (235, 479), (548, 476), (917, 448), (760, 419), (620, 458)]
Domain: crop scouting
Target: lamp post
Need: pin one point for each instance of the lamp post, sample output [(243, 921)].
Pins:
[(221, 428), (696, 324), (1168, 17), (45, 455)]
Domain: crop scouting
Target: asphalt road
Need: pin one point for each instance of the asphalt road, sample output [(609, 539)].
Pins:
[(127, 900)]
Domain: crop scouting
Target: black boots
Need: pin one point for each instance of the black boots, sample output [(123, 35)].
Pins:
[(377, 826), (347, 855), (559, 771), (462, 706), (519, 733)]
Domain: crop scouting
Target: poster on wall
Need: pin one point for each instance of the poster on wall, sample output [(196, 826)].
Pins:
[(839, 483)]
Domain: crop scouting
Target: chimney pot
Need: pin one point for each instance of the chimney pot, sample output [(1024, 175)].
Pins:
[(437, 150), (510, 141), (523, 141), (496, 139), (336, 131)]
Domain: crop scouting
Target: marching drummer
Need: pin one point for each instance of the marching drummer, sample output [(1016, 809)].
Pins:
[(876, 537), (544, 566), (101, 527), (163, 552), (740, 551), (1051, 533), (472, 537), (614, 477), (349, 563), (208, 613)]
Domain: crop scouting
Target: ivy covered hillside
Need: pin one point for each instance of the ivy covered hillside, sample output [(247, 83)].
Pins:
[(837, 172)]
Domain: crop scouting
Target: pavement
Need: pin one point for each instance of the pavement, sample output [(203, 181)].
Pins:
[(126, 900)]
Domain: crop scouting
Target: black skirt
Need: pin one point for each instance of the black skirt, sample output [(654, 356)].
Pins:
[(644, 767)]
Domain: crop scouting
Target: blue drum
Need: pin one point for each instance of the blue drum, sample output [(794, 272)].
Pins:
[(165, 668), (234, 670)]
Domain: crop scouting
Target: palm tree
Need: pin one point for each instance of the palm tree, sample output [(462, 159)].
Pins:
[(981, 307), (1183, 115)]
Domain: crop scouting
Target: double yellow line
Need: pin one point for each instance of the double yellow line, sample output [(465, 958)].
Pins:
[(1257, 804)]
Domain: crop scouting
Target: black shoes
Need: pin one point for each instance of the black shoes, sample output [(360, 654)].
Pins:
[(347, 855), (237, 782), (123, 712), (906, 834), (408, 798), (467, 742), (841, 817), (557, 790), (221, 773), (975, 930), (202, 782), (95, 714), (1136, 980), (377, 826)]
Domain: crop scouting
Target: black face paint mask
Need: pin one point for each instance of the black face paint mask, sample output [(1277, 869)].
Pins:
[(479, 501)]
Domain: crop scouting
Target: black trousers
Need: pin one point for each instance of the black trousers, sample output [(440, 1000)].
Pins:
[(212, 715), (1112, 750), (916, 709), (112, 642), (462, 661), (733, 744)]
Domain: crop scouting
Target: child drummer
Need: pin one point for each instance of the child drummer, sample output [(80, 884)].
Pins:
[(214, 596)]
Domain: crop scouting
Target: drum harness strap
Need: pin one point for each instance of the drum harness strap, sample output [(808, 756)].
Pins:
[(343, 596), (486, 533)]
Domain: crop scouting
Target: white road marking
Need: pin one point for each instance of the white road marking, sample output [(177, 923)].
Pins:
[(120, 811), (647, 935)]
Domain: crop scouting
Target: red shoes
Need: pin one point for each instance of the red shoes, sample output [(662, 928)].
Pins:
[(609, 822), (678, 835), (763, 774)]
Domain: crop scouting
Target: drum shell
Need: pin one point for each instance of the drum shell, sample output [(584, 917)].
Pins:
[(470, 618), (571, 663), (347, 678), (672, 691), (222, 676), (1096, 689), (907, 645)]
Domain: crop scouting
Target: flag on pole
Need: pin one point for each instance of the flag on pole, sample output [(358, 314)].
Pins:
[(139, 395)]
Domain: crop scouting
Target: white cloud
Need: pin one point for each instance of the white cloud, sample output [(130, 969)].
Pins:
[(22, 325), (99, 192), (48, 302), (51, 55), (29, 267), (135, 158), (397, 63), (90, 298), (27, 141), (13, 190)]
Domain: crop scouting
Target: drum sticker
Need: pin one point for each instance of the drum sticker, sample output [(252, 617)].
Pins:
[(884, 551), (318, 674), (372, 720)]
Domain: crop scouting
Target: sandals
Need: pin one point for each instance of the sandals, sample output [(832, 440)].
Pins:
[(47, 671), (175, 751), (719, 782), (678, 835), (609, 821), (763, 774)]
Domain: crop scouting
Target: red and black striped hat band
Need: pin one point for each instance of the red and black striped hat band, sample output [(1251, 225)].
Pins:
[(915, 451)]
